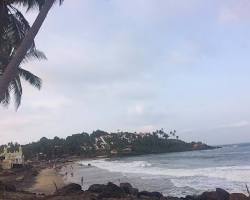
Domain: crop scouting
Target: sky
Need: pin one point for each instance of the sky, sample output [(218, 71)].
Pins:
[(139, 65)]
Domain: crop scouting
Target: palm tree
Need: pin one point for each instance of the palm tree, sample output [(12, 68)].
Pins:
[(9, 75), (12, 31), (15, 85), (171, 133)]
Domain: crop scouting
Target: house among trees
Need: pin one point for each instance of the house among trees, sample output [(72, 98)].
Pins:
[(11, 160)]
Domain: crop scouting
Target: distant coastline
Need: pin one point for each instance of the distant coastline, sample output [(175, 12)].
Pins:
[(103, 144), (52, 175)]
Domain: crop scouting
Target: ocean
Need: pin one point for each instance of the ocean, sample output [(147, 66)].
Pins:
[(173, 174)]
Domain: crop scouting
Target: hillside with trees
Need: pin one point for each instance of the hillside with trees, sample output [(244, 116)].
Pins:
[(101, 143)]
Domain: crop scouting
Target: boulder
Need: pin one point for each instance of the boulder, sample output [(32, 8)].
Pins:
[(7, 187), (189, 197), (222, 194), (219, 194), (150, 195), (107, 191), (112, 191), (172, 198), (97, 188), (238, 196), (157, 194), (71, 188), (127, 188)]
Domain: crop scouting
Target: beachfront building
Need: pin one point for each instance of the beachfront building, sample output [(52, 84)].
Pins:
[(12, 159)]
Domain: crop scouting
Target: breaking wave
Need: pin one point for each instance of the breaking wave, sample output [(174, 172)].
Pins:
[(230, 173)]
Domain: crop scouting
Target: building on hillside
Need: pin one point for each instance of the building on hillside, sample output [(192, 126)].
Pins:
[(114, 152), (11, 160), (127, 150)]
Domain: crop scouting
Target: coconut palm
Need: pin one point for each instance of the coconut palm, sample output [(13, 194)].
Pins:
[(12, 31), (15, 86), (11, 72)]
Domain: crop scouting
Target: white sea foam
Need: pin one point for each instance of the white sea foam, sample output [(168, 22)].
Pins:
[(229, 173)]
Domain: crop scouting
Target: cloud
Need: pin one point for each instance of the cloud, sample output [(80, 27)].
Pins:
[(146, 128), (238, 124), (135, 65), (137, 109), (186, 54), (235, 12)]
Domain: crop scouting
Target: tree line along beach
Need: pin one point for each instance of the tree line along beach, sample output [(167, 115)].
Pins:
[(136, 65), (184, 174)]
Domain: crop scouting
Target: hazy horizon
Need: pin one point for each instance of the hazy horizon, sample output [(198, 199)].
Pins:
[(139, 66)]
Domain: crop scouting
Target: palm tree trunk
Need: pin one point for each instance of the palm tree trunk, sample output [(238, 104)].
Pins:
[(11, 69)]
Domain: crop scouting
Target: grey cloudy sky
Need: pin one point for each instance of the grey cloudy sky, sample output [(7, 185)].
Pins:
[(139, 65)]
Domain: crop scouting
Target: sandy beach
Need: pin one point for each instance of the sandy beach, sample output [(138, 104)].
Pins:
[(47, 181)]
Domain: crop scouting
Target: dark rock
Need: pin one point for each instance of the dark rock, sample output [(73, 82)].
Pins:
[(107, 191), (112, 191), (238, 196), (219, 194), (150, 195), (127, 188), (173, 198), (208, 196), (72, 188), (7, 187), (34, 172), (97, 188), (157, 194), (114, 187), (222, 194), (189, 197)]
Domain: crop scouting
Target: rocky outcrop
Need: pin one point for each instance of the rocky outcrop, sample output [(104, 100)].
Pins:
[(107, 191), (128, 189), (7, 187), (111, 191), (72, 188), (238, 196), (150, 195), (219, 194)]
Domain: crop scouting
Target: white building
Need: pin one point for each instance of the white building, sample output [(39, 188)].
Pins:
[(10, 160)]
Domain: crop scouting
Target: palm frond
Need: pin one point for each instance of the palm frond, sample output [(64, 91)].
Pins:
[(31, 78), (34, 54), (16, 88), (34, 4), (6, 98)]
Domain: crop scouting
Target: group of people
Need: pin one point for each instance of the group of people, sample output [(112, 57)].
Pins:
[(72, 174)]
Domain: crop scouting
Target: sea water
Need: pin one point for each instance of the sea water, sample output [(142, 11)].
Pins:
[(175, 174)]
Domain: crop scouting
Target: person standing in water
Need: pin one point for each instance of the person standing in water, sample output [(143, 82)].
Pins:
[(82, 181)]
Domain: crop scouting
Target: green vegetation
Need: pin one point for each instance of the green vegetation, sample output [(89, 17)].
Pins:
[(17, 46), (101, 143), (13, 27)]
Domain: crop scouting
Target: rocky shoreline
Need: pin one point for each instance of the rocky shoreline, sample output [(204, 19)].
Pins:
[(14, 188), (110, 191)]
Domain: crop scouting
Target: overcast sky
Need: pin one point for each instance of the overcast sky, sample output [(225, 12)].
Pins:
[(139, 65)]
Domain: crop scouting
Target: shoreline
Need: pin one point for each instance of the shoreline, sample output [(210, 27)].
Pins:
[(111, 191), (47, 182), (44, 188), (50, 181)]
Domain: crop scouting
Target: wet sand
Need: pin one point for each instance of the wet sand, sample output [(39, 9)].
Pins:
[(47, 181)]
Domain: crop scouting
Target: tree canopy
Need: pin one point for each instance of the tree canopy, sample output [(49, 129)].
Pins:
[(13, 28), (17, 46), (101, 143)]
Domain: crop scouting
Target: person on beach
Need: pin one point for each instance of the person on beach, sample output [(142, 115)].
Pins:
[(82, 181), (72, 174)]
